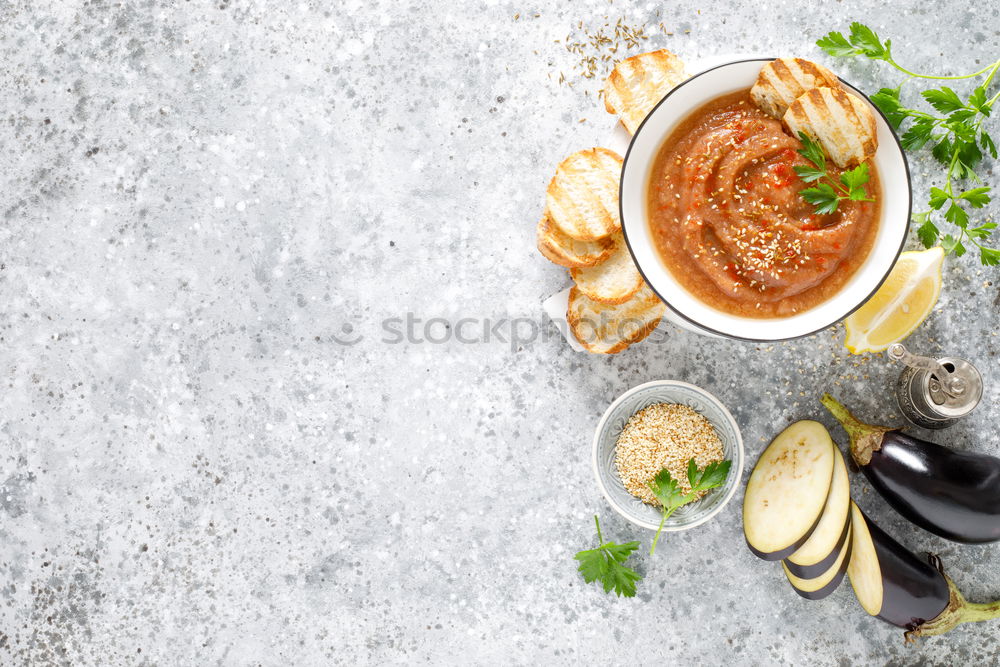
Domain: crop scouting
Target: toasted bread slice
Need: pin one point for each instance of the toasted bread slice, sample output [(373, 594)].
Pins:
[(612, 281), (842, 124), (566, 251), (582, 198), (605, 329), (637, 84), (782, 81)]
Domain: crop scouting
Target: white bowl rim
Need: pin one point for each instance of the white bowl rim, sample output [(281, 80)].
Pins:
[(692, 320), (666, 383)]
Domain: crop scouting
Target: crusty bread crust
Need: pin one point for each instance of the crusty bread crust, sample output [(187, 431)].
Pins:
[(841, 122), (566, 251), (604, 329), (582, 198), (783, 80), (637, 84)]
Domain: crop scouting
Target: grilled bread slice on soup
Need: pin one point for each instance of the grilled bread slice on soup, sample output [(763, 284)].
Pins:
[(564, 250), (783, 80), (582, 198), (841, 122), (637, 84)]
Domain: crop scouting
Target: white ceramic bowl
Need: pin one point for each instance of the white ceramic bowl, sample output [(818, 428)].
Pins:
[(606, 439), (674, 108)]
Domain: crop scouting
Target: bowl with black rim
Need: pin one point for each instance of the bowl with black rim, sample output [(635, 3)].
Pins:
[(686, 99)]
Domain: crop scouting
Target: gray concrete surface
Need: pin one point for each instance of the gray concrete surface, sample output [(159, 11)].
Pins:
[(214, 450)]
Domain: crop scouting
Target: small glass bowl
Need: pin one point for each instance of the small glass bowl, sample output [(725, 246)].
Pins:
[(611, 425)]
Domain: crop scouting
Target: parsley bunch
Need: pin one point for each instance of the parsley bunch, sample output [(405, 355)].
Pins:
[(607, 563), (668, 490), (828, 193), (955, 132)]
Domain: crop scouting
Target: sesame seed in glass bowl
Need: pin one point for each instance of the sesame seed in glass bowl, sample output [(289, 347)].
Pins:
[(671, 430)]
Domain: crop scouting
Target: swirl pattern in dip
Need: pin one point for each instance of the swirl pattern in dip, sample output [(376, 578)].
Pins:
[(729, 222)]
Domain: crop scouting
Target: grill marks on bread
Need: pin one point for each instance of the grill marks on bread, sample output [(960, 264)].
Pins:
[(783, 80), (842, 124)]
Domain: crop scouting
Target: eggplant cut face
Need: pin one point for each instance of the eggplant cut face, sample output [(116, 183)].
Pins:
[(787, 490), (819, 587), (823, 547), (864, 570)]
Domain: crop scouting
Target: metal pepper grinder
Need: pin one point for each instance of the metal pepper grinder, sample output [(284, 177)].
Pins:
[(935, 393)]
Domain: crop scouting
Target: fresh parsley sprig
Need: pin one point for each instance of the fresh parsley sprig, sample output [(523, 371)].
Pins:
[(955, 133), (668, 490), (607, 564), (862, 41), (827, 194)]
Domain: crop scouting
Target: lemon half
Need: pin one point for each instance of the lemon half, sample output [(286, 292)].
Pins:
[(905, 300)]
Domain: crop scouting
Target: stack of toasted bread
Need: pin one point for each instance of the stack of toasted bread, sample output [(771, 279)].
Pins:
[(610, 306)]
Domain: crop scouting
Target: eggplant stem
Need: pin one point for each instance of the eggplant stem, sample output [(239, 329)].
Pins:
[(958, 611), (866, 439)]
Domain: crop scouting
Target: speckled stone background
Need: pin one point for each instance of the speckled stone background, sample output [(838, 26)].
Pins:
[(216, 450)]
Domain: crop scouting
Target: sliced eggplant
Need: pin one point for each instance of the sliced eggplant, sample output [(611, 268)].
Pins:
[(823, 547), (787, 490), (893, 584), (863, 570), (952, 494), (819, 587)]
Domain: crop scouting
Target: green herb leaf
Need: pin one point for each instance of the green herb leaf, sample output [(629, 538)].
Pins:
[(865, 39), (989, 256), (942, 151), (823, 196), (977, 197), (837, 45), (951, 244), (928, 233), (712, 476), (668, 490), (986, 141), (943, 99), (956, 215), (977, 100), (887, 100), (812, 151), (938, 198), (855, 179), (982, 231), (606, 564), (918, 135), (809, 174)]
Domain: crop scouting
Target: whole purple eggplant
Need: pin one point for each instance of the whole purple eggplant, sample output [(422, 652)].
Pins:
[(952, 494), (892, 583)]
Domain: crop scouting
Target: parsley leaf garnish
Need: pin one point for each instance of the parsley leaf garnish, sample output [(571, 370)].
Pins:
[(606, 563), (955, 133), (668, 490), (826, 196)]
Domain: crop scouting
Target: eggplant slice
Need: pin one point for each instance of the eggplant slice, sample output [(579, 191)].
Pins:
[(952, 494), (893, 584), (819, 587), (823, 547), (863, 570), (787, 490)]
